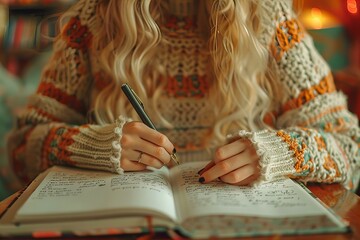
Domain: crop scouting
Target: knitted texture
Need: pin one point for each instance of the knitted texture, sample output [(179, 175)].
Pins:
[(315, 138)]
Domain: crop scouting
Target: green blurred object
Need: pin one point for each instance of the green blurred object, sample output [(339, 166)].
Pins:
[(14, 92), (333, 44), (9, 87)]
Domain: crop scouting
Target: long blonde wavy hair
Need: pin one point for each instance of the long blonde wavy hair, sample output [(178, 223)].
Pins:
[(243, 88)]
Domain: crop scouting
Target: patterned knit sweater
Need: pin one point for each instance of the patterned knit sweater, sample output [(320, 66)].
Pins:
[(315, 139)]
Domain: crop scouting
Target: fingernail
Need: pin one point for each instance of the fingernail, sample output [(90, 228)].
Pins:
[(174, 150), (200, 171), (202, 179)]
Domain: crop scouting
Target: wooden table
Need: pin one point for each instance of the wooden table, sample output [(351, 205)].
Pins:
[(343, 202)]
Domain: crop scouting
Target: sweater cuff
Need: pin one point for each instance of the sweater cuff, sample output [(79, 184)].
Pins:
[(116, 146), (104, 152), (276, 160)]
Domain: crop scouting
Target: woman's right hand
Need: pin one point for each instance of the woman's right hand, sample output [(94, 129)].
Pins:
[(143, 146)]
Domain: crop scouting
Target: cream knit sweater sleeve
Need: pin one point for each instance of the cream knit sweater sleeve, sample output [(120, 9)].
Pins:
[(315, 137), (53, 130)]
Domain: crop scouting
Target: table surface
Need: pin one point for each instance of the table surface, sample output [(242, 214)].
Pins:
[(345, 203)]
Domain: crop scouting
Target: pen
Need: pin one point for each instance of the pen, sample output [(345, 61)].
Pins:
[(140, 110)]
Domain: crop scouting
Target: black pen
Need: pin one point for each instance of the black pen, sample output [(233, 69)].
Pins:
[(140, 110)]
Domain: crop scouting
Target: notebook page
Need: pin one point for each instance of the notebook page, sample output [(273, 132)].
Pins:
[(283, 198), (71, 193)]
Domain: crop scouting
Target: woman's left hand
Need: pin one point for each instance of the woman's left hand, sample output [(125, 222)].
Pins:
[(235, 163)]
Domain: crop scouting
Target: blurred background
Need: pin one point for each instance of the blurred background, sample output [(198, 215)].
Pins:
[(28, 26)]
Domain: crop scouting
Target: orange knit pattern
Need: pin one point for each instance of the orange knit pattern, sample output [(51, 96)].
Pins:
[(320, 115), (187, 86), (49, 90), (77, 35), (326, 85), (288, 33), (41, 113), (56, 143), (301, 165)]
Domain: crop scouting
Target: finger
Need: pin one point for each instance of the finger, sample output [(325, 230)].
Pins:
[(240, 174), (129, 165), (133, 155), (149, 134), (249, 180), (150, 161), (224, 167), (157, 152), (230, 150), (132, 146), (207, 167), (233, 138), (130, 154)]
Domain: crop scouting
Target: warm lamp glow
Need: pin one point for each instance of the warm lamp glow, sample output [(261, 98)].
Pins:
[(352, 6), (315, 18), (316, 15)]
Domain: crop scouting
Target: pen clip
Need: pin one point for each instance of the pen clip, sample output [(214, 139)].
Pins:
[(174, 158), (137, 98)]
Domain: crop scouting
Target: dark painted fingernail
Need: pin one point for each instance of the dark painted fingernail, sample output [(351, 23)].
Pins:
[(174, 150), (202, 179), (200, 170)]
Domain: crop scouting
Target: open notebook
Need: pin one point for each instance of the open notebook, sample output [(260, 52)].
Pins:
[(82, 202)]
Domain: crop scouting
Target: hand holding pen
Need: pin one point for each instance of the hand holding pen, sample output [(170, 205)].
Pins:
[(142, 145)]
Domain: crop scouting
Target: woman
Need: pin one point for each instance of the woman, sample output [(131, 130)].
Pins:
[(237, 83)]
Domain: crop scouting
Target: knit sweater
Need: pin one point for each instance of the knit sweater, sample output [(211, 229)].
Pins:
[(315, 137)]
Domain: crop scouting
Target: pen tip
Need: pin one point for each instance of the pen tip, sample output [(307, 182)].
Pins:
[(175, 158)]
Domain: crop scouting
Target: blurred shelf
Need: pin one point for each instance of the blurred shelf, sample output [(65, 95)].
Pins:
[(37, 4), (27, 28)]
